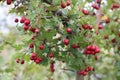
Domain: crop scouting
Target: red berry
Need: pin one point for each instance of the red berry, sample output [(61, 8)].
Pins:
[(95, 57), (16, 20), (98, 1), (66, 41), (32, 29), (40, 59), (95, 6), (68, 30), (97, 50), (52, 70), (84, 73), (27, 22), (80, 72), (22, 62), (85, 26), (52, 66), (25, 27), (33, 37), (68, 2), (85, 12), (22, 20), (31, 45), (119, 34), (63, 5), (90, 68), (113, 40), (118, 47), (37, 31), (115, 6), (86, 70), (90, 27), (78, 46), (9, 2), (33, 54), (18, 60), (88, 47), (107, 20), (74, 46), (51, 55), (106, 37), (41, 47), (100, 26)]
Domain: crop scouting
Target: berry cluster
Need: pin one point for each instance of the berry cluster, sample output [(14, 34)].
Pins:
[(52, 69), (63, 5), (91, 50), (85, 26), (20, 61), (36, 59), (85, 71), (27, 26)]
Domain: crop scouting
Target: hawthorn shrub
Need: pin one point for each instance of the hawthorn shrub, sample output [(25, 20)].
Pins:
[(71, 31)]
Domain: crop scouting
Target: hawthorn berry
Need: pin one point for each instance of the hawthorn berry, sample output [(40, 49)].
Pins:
[(27, 22), (98, 1), (86, 69), (90, 27), (25, 27), (85, 12), (106, 37), (40, 59), (66, 41), (18, 60), (95, 6), (84, 73), (51, 55), (119, 34), (22, 61), (37, 31), (115, 6), (68, 2), (68, 30), (31, 45), (63, 5), (100, 26), (41, 47), (85, 26), (16, 20), (33, 56), (9, 2), (95, 57), (113, 40), (107, 20), (74, 46), (37, 61), (32, 29), (22, 20)]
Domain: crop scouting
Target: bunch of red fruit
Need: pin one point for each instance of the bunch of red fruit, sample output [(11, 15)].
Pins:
[(85, 27), (20, 61), (36, 59), (52, 69), (91, 50), (27, 26), (85, 71), (63, 5)]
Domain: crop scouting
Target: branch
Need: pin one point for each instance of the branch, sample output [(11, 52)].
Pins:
[(68, 69)]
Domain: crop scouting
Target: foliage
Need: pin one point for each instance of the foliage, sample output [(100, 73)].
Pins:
[(53, 31)]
